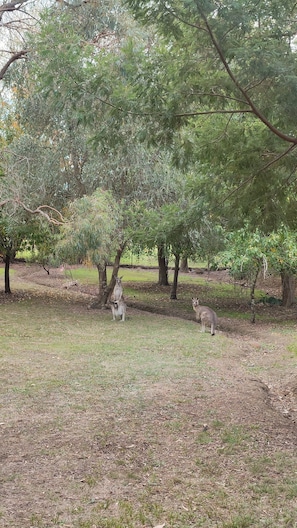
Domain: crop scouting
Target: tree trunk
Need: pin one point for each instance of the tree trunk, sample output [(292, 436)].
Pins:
[(184, 266), (163, 267), (102, 276), (105, 290), (175, 278), (6, 273), (253, 287), (288, 289), (115, 271)]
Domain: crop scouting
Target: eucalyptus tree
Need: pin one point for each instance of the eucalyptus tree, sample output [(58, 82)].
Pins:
[(78, 61), (248, 253), (18, 18), (12, 233), (221, 88), (25, 215), (92, 232), (172, 226), (22, 228)]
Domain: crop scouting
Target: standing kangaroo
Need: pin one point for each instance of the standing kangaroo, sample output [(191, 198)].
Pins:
[(118, 305), (205, 315), (117, 293), (118, 308)]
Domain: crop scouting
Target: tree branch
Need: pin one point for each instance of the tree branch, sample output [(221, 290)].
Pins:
[(253, 107), (18, 55), (269, 164), (41, 210), (11, 6), (185, 114), (214, 94), (211, 112)]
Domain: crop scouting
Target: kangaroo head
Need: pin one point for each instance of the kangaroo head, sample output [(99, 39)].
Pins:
[(195, 301)]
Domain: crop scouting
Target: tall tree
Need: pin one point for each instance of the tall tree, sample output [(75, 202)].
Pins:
[(221, 86), (92, 233), (91, 144)]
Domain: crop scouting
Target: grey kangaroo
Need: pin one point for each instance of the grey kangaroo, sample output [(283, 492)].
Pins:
[(117, 293), (118, 308), (206, 315)]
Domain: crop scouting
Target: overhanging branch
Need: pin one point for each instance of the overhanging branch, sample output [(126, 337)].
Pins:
[(248, 100), (266, 166), (12, 6), (18, 55), (45, 211), (255, 110)]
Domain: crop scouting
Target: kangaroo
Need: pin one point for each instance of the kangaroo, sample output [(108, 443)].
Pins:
[(117, 293), (205, 315), (118, 308)]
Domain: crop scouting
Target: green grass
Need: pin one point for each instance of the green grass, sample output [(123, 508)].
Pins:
[(104, 424), (51, 349), (147, 258), (108, 419), (89, 275), (293, 349)]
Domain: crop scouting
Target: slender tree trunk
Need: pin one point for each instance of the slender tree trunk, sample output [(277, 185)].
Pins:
[(102, 277), (163, 267), (184, 266), (288, 289), (115, 271), (6, 273), (105, 290), (253, 287), (173, 294)]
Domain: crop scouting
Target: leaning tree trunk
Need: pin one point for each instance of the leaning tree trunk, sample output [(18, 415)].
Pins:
[(288, 289), (163, 267), (6, 273), (175, 278), (115, 270), (105, 290)]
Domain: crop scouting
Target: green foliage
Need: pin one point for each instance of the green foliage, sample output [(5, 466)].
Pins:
[(71, 98), (18, 230), (248, 252), (282, 247), (245, 254), (93, 231), (215, 83), (219, 86)]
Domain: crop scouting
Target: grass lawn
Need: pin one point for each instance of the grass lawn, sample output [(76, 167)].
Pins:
[(139, 424)]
